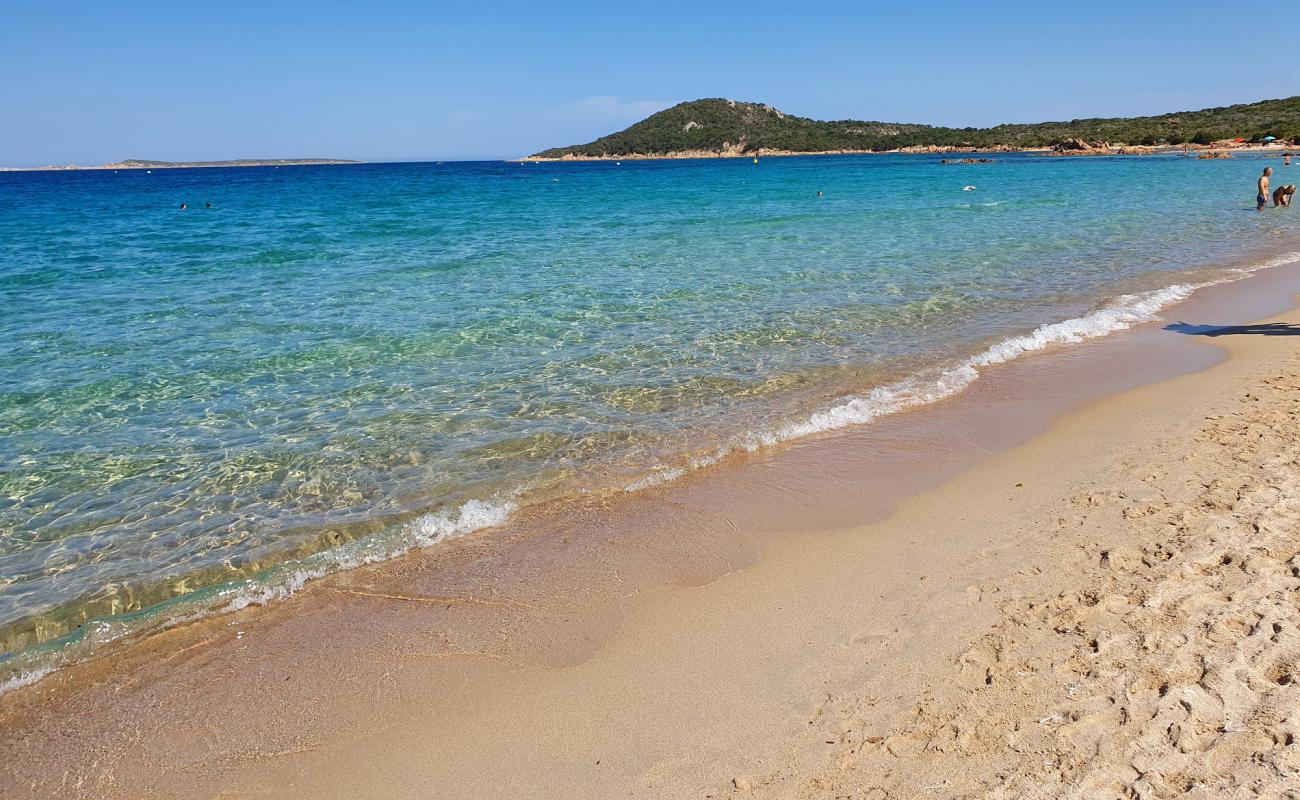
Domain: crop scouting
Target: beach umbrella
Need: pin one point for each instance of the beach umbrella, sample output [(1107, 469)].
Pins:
[(1270, 139)]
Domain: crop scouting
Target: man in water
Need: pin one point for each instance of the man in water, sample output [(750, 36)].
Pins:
[(1282, 196), (1261, 199)]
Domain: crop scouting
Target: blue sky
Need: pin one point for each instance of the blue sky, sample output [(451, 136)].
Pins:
[(88, 82)]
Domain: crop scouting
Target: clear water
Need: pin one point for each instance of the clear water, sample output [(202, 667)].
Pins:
[(334, 355)]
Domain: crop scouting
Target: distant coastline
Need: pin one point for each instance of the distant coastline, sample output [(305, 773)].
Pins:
[(136, 163), (760, 153), (1099, 149)]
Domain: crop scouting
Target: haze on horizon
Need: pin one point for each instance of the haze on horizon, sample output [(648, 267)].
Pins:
[(404, 81)]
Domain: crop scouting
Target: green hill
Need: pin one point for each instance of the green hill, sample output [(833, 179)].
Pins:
[(717, 126)]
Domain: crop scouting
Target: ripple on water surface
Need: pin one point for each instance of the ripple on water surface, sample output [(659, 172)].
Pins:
[(334, 364)]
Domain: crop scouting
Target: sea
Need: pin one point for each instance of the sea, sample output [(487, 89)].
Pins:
[(309, 368)]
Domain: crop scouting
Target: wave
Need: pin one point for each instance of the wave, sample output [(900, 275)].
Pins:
[(426, 530), (1118, 314), (26, 678), (276, 583)]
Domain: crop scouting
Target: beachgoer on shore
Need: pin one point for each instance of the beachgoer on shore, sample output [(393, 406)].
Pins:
[(1282, 196), (1261, 199)]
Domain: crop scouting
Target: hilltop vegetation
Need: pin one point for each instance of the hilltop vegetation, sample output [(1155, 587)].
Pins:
[(732, 127)]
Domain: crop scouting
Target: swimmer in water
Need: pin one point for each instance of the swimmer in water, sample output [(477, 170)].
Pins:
[(1261, 199), (1282, 197), (184, 206)]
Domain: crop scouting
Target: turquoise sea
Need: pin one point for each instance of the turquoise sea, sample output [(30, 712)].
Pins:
[(204, 408)]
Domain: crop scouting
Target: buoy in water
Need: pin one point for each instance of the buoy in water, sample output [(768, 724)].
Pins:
[(968, 188)]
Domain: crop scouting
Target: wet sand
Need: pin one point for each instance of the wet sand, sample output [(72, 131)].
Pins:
[(1053, 584)]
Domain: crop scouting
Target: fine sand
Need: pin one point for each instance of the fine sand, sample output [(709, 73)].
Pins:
[(1106, 608)]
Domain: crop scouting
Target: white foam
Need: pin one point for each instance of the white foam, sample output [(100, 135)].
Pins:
[(259, 594), (880, 401), (25, 678), (424, 531), (656, 477), (1276, 261), (433, 528), (1118, 314), (289, 578), (1121, 313)]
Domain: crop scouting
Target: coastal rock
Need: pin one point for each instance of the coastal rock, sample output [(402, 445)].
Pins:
[(932, 148), (1078, 146), (1083, 147)]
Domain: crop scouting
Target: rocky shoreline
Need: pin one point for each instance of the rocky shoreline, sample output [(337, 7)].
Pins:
[(1070, 148), (763, 153)]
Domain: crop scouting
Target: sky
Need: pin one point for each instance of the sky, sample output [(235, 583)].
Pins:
[(395, 80)]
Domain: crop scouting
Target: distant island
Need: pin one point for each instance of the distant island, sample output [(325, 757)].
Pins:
[(717, 127), (139, 163)]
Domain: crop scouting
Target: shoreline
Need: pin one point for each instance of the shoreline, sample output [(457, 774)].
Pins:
[(1113, 150), (503, 516), (150, 165), (447, 619)]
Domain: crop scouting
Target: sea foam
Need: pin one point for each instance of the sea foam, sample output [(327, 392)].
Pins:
[(275, 584), (423, 531), (1120, 313)]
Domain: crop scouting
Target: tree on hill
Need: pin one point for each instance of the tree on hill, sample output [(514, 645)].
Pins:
[(720, 126)]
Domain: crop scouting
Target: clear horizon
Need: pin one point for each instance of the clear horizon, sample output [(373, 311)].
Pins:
[(406, 83)]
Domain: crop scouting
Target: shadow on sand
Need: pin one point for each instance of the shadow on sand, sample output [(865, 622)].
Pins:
[(1263, 329)]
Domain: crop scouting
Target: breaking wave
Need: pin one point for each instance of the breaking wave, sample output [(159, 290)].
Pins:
[(1118, 314)]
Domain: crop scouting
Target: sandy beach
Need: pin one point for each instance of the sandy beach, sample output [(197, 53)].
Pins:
[(487, 403), (1069, 581)]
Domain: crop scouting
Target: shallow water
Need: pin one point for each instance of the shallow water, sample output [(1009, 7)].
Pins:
[(336, 363)]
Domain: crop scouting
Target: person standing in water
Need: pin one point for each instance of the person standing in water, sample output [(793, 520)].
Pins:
[(1261, 199)]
